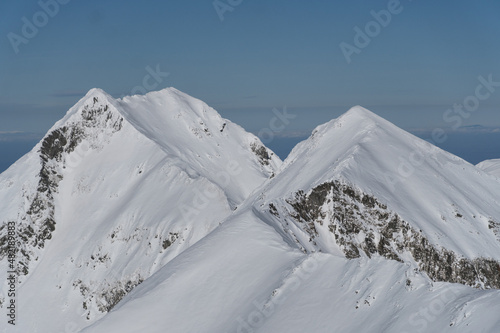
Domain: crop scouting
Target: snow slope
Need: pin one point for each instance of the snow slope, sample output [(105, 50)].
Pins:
[(274, 265), (113, 192), (217, 134), (263, 286), (490, 166), (175, 220), (449, 200)]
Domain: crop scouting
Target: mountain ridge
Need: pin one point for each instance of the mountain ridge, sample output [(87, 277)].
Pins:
[(490, 166), (366, 150), (97, 196), (160, 211)]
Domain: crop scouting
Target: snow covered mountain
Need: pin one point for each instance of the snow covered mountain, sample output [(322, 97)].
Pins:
[(153, 214), (490, 166), (115, 190), (332, 244), (374, 188)]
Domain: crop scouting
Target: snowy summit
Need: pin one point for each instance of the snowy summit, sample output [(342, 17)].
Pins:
[(153, 213)]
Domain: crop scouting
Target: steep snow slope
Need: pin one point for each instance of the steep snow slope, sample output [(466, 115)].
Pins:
[(244, 278), (331, 199), (114, 191), (490, 166), (371, 187), (343, 237), (215, 135)]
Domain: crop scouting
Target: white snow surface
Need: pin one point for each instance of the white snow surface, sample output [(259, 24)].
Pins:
[(171, 174), (232, 270), (490, 166), (243, 278), (428, 187)]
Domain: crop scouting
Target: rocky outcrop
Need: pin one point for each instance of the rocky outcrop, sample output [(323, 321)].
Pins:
[(360, 224), (36, 226), (103, 295), (261, 152)]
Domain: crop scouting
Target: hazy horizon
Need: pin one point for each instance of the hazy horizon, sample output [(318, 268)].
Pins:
[(474, 146)]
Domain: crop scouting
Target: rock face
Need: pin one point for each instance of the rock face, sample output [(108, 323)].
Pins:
[(37, 224), (157, 208), (361, 225), (113, 192), (348, 190)]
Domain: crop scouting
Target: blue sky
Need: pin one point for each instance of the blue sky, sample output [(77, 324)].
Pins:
[(263, 54)]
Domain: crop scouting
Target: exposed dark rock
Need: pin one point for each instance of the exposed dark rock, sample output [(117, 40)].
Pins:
[(112, 296), (166, 243), (38, 223), (105, 296), (494, 227), (261, 152), (173, 236), (273, 210), (360, 223)]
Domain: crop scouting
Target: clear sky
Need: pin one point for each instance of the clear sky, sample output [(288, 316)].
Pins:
[(263, 54)]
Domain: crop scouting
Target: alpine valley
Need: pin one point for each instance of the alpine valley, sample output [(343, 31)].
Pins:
[(154, 214)]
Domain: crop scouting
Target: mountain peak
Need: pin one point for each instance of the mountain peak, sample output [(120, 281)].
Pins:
[(359, 111), (357, 119), (96, 92), (403, 171), (171, 101), (116, 208), (362, 116), (95, 96), (124, 185)]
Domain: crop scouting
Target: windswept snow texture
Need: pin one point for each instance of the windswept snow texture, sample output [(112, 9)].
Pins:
[(491, 166), (114, 191), (212, 143), (445, 198), (301, 282), (261, 285), (153, 214)]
